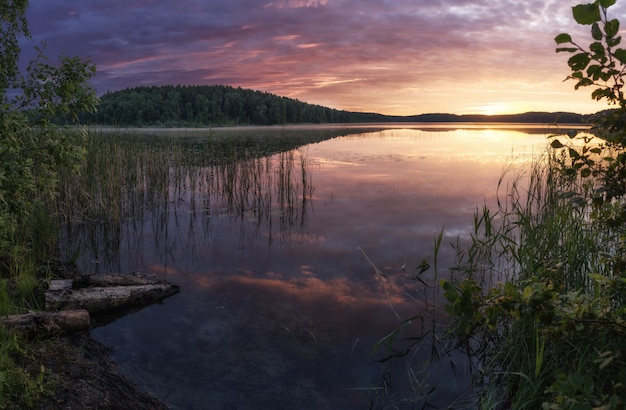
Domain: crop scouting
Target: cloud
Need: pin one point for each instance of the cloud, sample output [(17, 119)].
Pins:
[(296, 4), (365, 54)]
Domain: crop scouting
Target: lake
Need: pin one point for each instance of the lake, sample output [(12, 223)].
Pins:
[(293, 263)]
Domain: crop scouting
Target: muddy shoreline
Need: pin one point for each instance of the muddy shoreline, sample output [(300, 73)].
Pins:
[(80, 375)]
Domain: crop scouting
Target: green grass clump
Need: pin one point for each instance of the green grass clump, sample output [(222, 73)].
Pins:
[(537, 298), (20, 292), (19, 387)]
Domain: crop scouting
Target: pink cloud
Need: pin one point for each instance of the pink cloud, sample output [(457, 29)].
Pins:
[(295, 4), (401, 57)]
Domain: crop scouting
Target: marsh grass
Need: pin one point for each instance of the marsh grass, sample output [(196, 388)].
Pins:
[(22, 270), (127, 181), (533, 298)]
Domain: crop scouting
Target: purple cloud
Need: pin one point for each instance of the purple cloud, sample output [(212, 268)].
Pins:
[(370, 55)]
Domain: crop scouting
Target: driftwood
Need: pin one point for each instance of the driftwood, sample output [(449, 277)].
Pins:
[(102, 299), (70, 303), (48, 322), (114, 279), (104, 293)]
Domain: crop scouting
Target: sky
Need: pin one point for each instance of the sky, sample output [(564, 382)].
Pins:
[(395, 57)]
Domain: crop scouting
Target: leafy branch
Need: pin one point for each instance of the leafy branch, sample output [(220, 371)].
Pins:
[(601, 64)]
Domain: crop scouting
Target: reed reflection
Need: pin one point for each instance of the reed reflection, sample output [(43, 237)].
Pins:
[(155, 198)]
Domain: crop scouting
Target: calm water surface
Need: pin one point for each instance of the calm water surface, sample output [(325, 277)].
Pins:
[(279, 306)]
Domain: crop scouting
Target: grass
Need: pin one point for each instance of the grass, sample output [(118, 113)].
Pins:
[(19, 387), (125, 178), (20, 283), (535, 298)]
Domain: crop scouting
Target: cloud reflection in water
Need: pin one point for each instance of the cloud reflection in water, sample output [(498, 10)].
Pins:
[(284, 310)]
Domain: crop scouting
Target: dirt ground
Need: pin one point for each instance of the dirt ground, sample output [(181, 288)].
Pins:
[(78, 372), (81, 376)]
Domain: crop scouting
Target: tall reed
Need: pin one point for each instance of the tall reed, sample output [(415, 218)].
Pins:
[(130, 180), (527, 299)]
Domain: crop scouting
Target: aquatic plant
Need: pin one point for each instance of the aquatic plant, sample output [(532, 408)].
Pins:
[(130, 180)]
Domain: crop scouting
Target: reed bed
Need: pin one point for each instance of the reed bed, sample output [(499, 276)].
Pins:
[(130, 180), (535, 300)]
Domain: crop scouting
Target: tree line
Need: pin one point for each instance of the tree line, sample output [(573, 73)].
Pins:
[(219, 105), (209, 105)]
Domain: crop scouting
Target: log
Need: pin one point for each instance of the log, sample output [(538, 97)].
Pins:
[(59, 284), (110, 298), (35, 323), (114, 279)]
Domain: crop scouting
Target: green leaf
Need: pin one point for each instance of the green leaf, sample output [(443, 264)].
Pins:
[(563, 38), (598, 50), (620, 54), (579, 61), (607, 3), (611, 28), (586, 13), (613, 41), (585, 173), (556, 144), (596, 33), (595, 150), (605, 76), (568, 49), (601, 93), (594, 71), (583, 83)]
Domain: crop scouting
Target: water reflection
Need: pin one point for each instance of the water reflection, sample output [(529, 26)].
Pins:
[(279, 307)]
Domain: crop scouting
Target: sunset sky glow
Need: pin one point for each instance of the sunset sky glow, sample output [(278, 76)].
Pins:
[(397, 57)]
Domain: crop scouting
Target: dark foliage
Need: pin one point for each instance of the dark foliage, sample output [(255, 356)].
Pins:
[(215, 105), (211, 105)]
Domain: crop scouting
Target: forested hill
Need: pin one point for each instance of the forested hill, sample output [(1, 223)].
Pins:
[(211, 105), (215, 105)]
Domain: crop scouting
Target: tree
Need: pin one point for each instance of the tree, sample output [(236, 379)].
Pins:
[(12, 25), (32, 149), (601, 65)]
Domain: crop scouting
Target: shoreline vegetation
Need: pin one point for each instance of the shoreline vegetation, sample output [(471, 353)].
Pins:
[(540, 297)]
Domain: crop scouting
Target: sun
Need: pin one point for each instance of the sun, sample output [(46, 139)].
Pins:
[(491, 109), (502, 108)]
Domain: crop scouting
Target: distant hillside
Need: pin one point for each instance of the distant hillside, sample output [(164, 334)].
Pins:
[(218, 105), (528, 117)]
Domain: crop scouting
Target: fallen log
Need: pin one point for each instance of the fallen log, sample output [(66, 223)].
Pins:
[(35, 323), (114, 279), (109, 298)]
